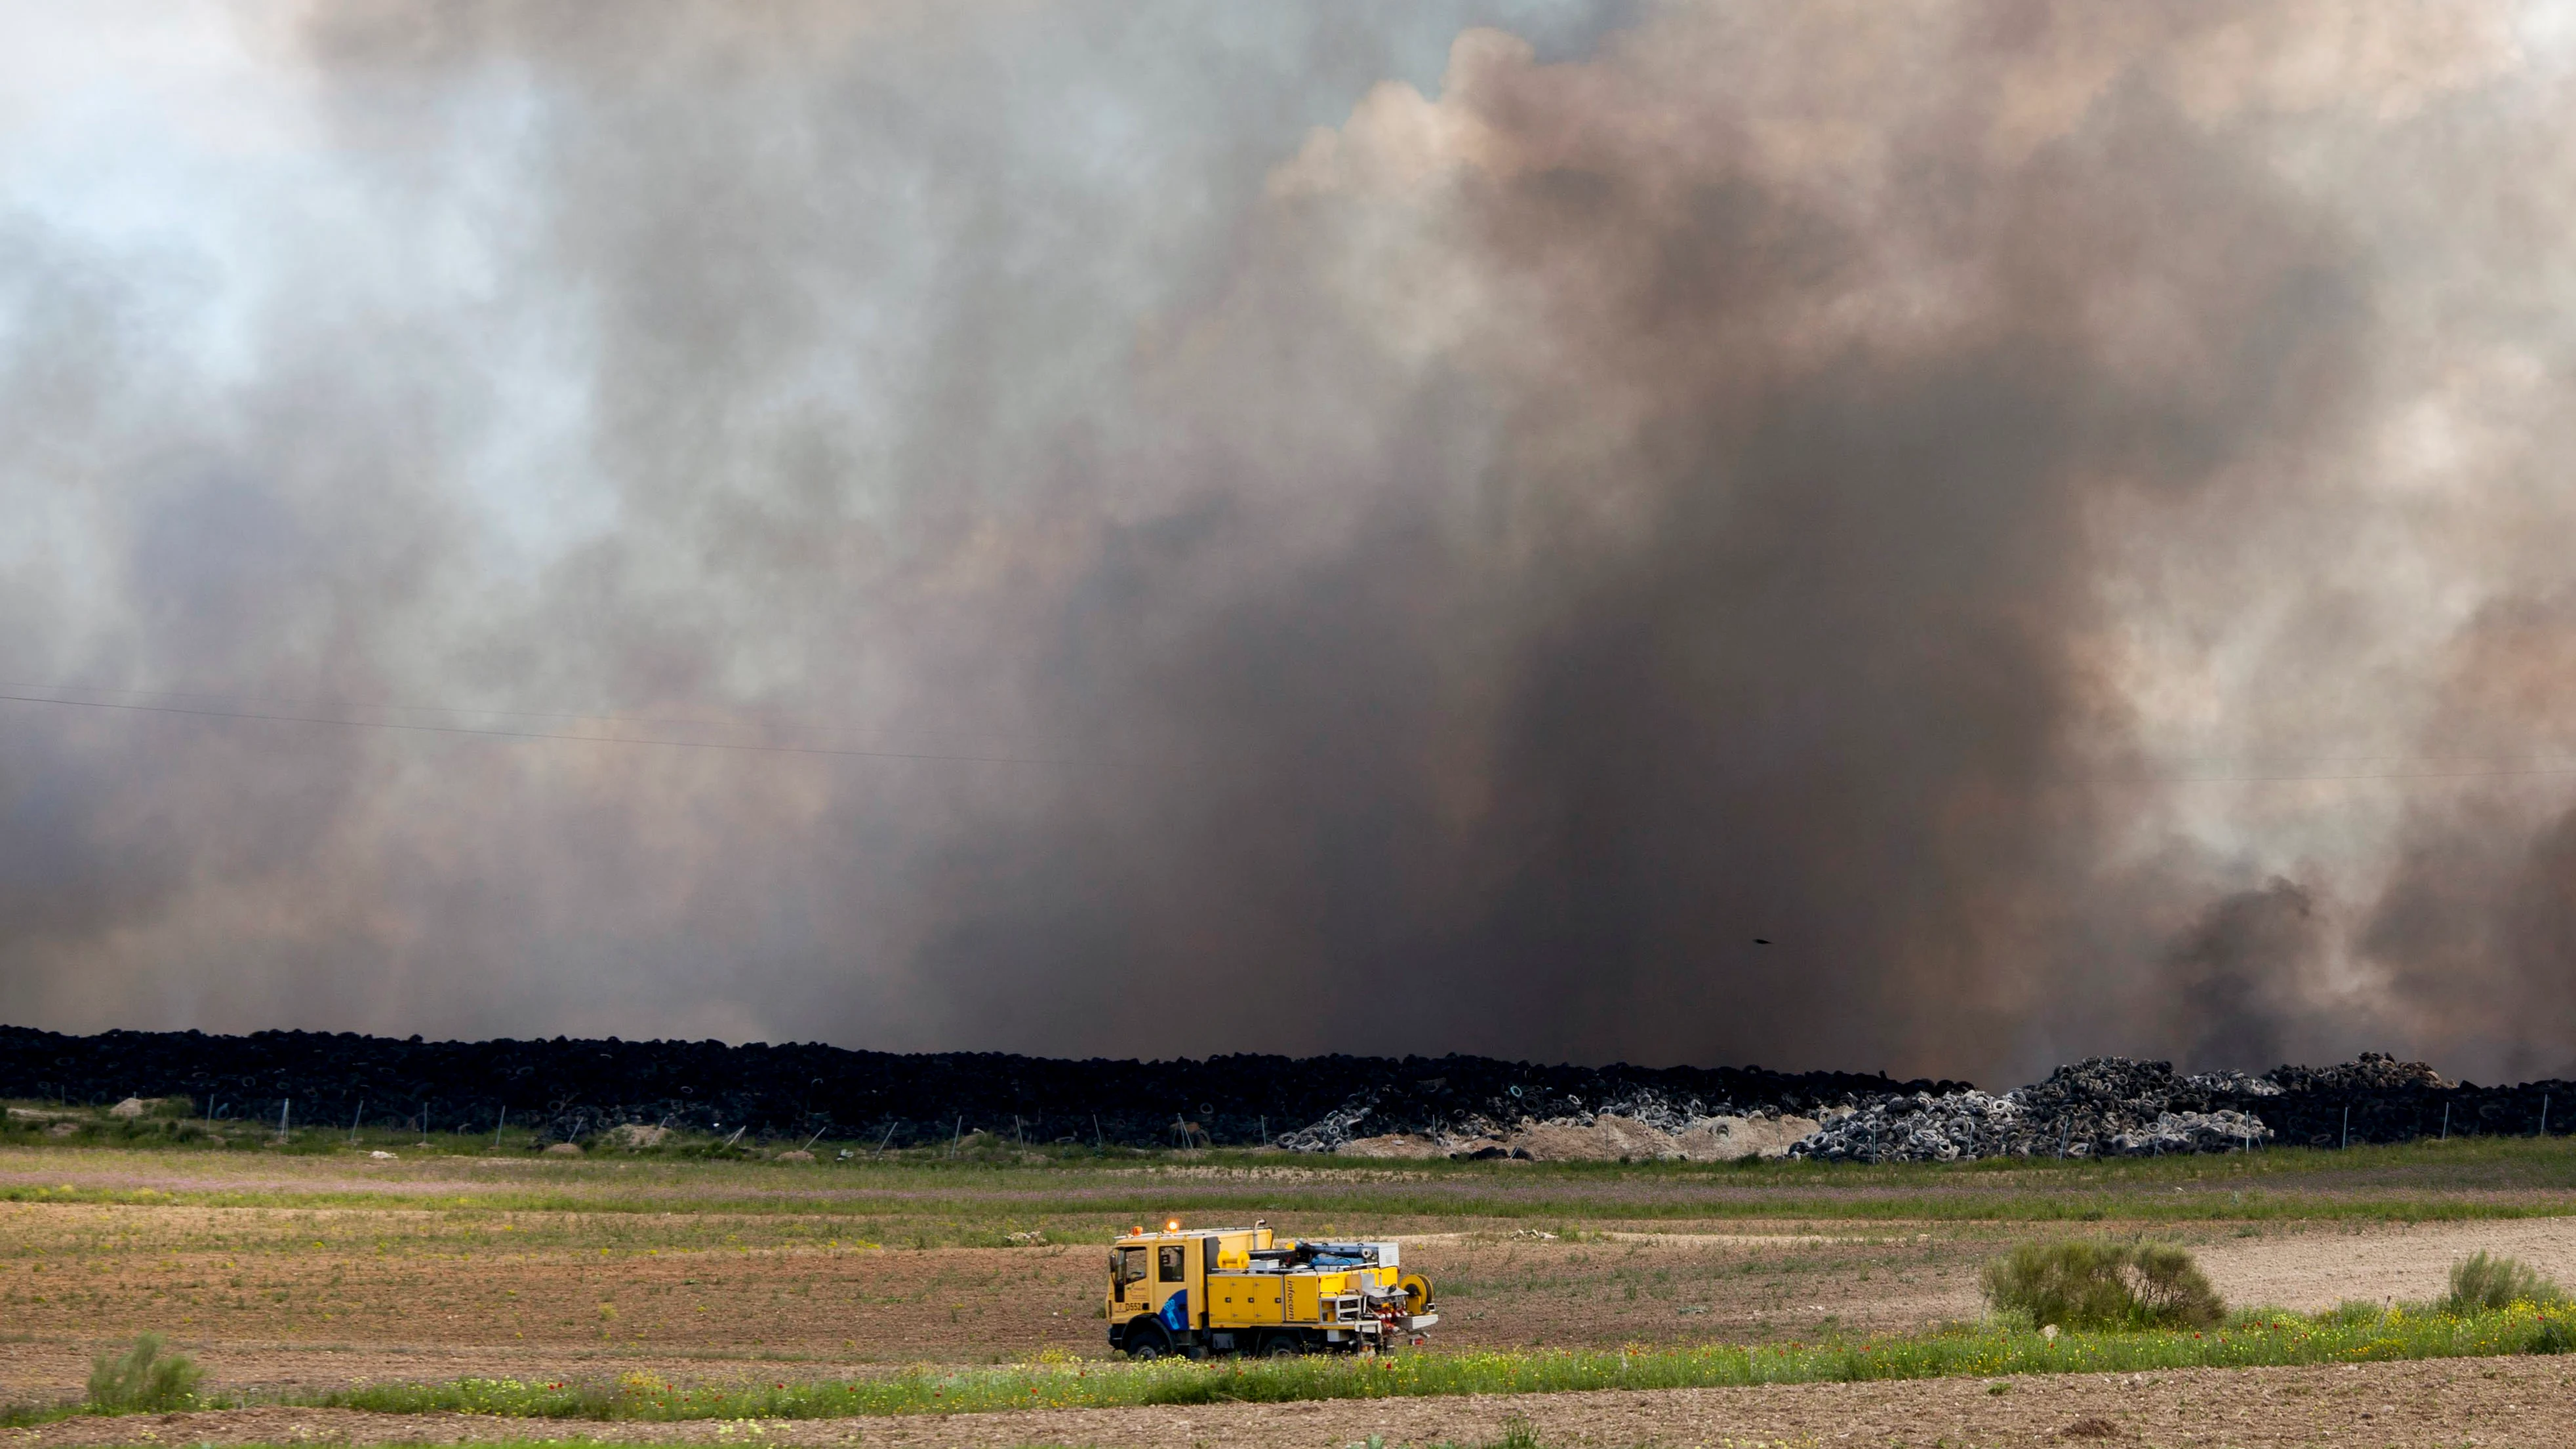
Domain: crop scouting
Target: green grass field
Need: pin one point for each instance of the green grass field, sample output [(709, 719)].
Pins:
[(1990, 1350), (994, 1189)]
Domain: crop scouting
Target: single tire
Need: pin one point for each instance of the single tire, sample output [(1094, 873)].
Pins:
[(1281, 1345), (1148, 1341)]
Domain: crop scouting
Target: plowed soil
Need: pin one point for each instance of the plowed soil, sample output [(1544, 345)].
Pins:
[(302, 1300), (2463, 1402)]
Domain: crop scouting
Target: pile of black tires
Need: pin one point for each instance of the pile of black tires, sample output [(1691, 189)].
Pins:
[(570, 1090)]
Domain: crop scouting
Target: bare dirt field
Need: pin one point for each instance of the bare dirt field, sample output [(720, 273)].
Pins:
[(2499, 1402), (288, 1272), (296, 1303)]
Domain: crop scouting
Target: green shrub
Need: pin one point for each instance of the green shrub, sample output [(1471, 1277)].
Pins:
[(2172, 1291), (2072, 1285), (2483, 1283), (144, 1378), (2094, 1285)]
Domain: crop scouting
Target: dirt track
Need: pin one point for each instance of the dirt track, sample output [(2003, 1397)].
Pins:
[(2481, 1402)]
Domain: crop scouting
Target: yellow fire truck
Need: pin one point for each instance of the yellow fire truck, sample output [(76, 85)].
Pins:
[(1203, 1291)]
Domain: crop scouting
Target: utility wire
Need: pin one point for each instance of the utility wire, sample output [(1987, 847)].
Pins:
[(371, 724), (2348, 758), (200, 713), (2382, 775), (754, 722)]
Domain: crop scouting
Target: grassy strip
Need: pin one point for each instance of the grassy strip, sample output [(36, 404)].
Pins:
[(1514, 1437), (1505, 1442), (2264, 1341), (927, 1202), (1548, 1210), (2270, 1341), (1277, 1165), (1519, 1438), (2552, 1156), (2216, 1204)]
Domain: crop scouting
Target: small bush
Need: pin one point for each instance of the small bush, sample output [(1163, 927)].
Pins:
[(2093, 1285), (2483, 1283), (143, 1379), (2172, 1291), (2072, 1285)]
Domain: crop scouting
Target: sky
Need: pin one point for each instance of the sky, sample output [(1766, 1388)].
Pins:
[(1942, 539)]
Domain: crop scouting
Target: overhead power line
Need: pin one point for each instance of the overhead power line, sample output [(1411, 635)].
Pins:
[(410, 727), (435, 729), (238, 699), (2371, 775)]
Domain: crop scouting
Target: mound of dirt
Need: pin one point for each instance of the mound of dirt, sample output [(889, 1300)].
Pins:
[(1611, 1136), (1731, 1139), (1600, 1137), (1605, 1137), (1402, 1144)]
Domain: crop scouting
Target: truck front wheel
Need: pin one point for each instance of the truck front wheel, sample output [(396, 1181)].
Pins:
[(1148, 1341)]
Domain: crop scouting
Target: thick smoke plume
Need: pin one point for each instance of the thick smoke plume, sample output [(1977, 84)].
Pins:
[(1938, 538)]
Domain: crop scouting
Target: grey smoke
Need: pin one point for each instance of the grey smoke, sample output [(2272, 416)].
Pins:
[(1461, 530), (2243, 977)]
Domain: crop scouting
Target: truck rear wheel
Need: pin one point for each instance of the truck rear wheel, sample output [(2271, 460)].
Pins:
[(1281, 1345)]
